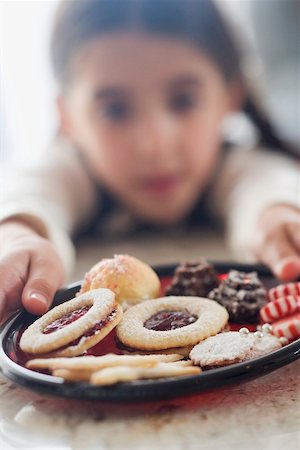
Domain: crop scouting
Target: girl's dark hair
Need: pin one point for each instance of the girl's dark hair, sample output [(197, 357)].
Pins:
[(196, 21)]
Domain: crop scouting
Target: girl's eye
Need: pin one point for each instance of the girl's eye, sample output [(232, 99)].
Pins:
[(183, 102), (116, 111)]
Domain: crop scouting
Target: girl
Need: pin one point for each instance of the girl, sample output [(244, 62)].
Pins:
[(145, 86)]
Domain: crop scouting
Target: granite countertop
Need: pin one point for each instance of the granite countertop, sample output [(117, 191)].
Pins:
[(260, 414), (263, 413)]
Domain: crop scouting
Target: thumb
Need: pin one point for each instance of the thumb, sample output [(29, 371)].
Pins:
[(44, 279)]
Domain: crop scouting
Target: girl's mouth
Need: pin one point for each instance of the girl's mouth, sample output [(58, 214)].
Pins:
[(160, 185)]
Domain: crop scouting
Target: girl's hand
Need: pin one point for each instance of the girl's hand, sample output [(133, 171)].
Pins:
[(277, 241), (30, 269)]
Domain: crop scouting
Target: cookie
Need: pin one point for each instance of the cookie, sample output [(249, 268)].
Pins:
[(74, 326), (194, 279), (111, 369), (170, 322), (161, 370), (232, 347), (183, 351), (221, 350), (92, 363), (130, 279), (263, 344), (242, 294)]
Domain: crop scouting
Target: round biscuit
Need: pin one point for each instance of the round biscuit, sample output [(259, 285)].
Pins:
[(211, 318), (33, 340)]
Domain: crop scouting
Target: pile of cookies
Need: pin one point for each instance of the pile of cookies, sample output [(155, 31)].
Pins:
[(155, 333), (111, 369)]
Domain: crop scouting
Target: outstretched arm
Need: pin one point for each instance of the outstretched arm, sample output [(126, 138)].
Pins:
[(40, 208), (258, 196)]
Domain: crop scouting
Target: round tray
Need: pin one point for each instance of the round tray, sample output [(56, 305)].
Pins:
[(11, 359)]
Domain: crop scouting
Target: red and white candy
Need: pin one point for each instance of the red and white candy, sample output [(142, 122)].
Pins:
[(288, 327), (284, 290), (280, 307), (283, 310)]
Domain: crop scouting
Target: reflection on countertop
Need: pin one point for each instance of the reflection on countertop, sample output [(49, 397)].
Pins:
[(262, 413)]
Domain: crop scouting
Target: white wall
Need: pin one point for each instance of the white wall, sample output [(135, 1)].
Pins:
[(27, 112)]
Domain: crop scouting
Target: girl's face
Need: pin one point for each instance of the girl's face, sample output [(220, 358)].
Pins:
[(146, 112)]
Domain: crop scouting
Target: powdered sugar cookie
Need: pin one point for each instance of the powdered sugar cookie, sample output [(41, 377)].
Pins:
[(87, 318), (222, 349), (129, 278), (171, 322), (263, 344), (232, 347)]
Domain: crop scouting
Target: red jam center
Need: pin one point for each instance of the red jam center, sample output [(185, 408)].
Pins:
[(97, 327), (169, 320), (66, 319)]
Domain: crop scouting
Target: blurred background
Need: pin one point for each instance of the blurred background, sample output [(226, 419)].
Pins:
[(269, 29)]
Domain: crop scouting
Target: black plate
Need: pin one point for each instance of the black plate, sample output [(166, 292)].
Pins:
[(144, 389)]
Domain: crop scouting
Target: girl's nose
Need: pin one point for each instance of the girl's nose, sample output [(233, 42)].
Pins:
[(156, 139)]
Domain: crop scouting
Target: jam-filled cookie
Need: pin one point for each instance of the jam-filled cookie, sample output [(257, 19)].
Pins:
[(170, 322), (242, 294), (233, 347), (130, 279), (74, 326), (193, 278)]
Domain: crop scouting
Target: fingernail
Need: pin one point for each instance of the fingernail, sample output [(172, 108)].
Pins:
[(39, 299)]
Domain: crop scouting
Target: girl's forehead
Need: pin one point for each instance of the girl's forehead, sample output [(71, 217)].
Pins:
[(131, 55)]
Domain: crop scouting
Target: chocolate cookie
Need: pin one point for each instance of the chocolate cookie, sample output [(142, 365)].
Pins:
[(194, 279), (242, 294)]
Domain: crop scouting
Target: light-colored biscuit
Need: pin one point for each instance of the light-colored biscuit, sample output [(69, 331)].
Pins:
[(92, 363), (210, 319), (222, 349), (184, 351), (130, 279), (232, 347), (87, 342), (161, 370), (72, 375), (85, 375), (264, 344), (101, 302)]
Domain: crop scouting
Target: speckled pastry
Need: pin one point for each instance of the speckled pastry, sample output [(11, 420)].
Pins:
[(130, 279), (242, 294), (194, 279)]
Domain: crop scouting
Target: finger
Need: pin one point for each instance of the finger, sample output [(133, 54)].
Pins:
[(45, 277), (288, 268), (293, 233), (281, 256), (2, 304), (11, 283)]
